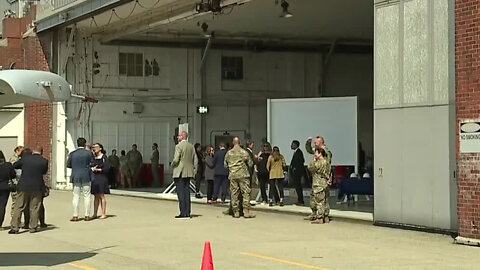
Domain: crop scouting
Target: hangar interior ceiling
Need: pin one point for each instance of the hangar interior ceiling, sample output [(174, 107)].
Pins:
[(255, 24)]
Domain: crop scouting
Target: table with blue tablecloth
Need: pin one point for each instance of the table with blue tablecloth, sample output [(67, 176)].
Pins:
[(355, 186)]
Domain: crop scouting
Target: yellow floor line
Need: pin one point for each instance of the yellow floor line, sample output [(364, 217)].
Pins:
[(82, 266), (282, 261)]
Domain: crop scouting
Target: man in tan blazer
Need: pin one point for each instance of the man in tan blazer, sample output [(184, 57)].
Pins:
[(184, 168)]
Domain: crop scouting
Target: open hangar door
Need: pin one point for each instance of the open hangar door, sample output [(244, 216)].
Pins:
[(231, 61), (173, 60)]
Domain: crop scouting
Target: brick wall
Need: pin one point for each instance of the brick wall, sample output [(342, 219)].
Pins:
[(467, 72), (38, 115), (27, 53)]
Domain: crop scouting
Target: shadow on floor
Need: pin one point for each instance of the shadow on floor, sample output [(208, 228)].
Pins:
[(42, 259)]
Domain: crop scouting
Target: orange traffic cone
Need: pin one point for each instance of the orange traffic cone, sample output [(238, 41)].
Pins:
[(207, 262)]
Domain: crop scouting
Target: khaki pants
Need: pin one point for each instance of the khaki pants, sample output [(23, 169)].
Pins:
[(240, 187), (14, 198), (81, 190), (24, 199)]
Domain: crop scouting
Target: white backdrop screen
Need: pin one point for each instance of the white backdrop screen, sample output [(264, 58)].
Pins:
[(297, 119)]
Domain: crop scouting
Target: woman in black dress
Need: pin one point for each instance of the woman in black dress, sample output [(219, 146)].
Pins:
[(100, 169), (7, 173)]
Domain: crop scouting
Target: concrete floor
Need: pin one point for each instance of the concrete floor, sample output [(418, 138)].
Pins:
[(142, 234)]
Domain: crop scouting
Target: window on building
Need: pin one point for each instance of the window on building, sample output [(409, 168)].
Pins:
[(130, 64), (232, 68)]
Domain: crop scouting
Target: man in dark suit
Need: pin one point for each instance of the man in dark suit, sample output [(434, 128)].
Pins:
[(80, 162), (297, 170), (30, 188), (221, 174)]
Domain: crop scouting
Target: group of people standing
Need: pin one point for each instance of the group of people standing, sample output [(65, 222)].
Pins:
[(129, 165), (238, 167), (23, 177), (233, 166)]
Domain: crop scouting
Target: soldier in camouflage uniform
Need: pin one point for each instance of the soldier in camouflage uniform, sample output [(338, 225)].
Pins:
[(238, 162), (16, 157), (320, 144), (135, 162), (320, 170)]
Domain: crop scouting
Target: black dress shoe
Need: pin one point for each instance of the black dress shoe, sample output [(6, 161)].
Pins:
[(13, 232), (33, 230), (43, 225)]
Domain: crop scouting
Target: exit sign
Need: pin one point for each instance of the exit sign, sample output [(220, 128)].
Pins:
[(202, 109)]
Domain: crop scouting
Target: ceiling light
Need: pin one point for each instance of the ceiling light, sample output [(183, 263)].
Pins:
[(285, 12), (205, 32), (208, 6)]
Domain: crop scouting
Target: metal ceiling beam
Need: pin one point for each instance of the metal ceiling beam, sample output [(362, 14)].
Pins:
[(142, 21), (77, 13), (177, 11), (242, 46)]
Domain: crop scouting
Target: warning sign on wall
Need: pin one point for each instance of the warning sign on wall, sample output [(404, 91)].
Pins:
[(470, 137)]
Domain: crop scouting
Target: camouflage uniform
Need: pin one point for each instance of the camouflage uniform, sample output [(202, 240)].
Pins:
[(238, 163), (320, 170), (135, 162), (328, 158)]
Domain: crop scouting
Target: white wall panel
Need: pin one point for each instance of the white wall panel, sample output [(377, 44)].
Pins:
[(387, 58), (440, 53), (389, 170), (413, 178), (415, 52), (12, 125), (415, 138)]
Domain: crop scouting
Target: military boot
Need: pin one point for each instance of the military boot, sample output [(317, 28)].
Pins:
[(326, 219), (318, 221), (236, 214), (227, 212), (309, 217), (248, 214)]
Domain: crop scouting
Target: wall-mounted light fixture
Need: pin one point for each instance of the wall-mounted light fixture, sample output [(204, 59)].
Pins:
[(285, 12)]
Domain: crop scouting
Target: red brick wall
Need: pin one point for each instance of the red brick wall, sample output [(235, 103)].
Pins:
[(467, 72), (38, 126), (27, 53), (38, 115)]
